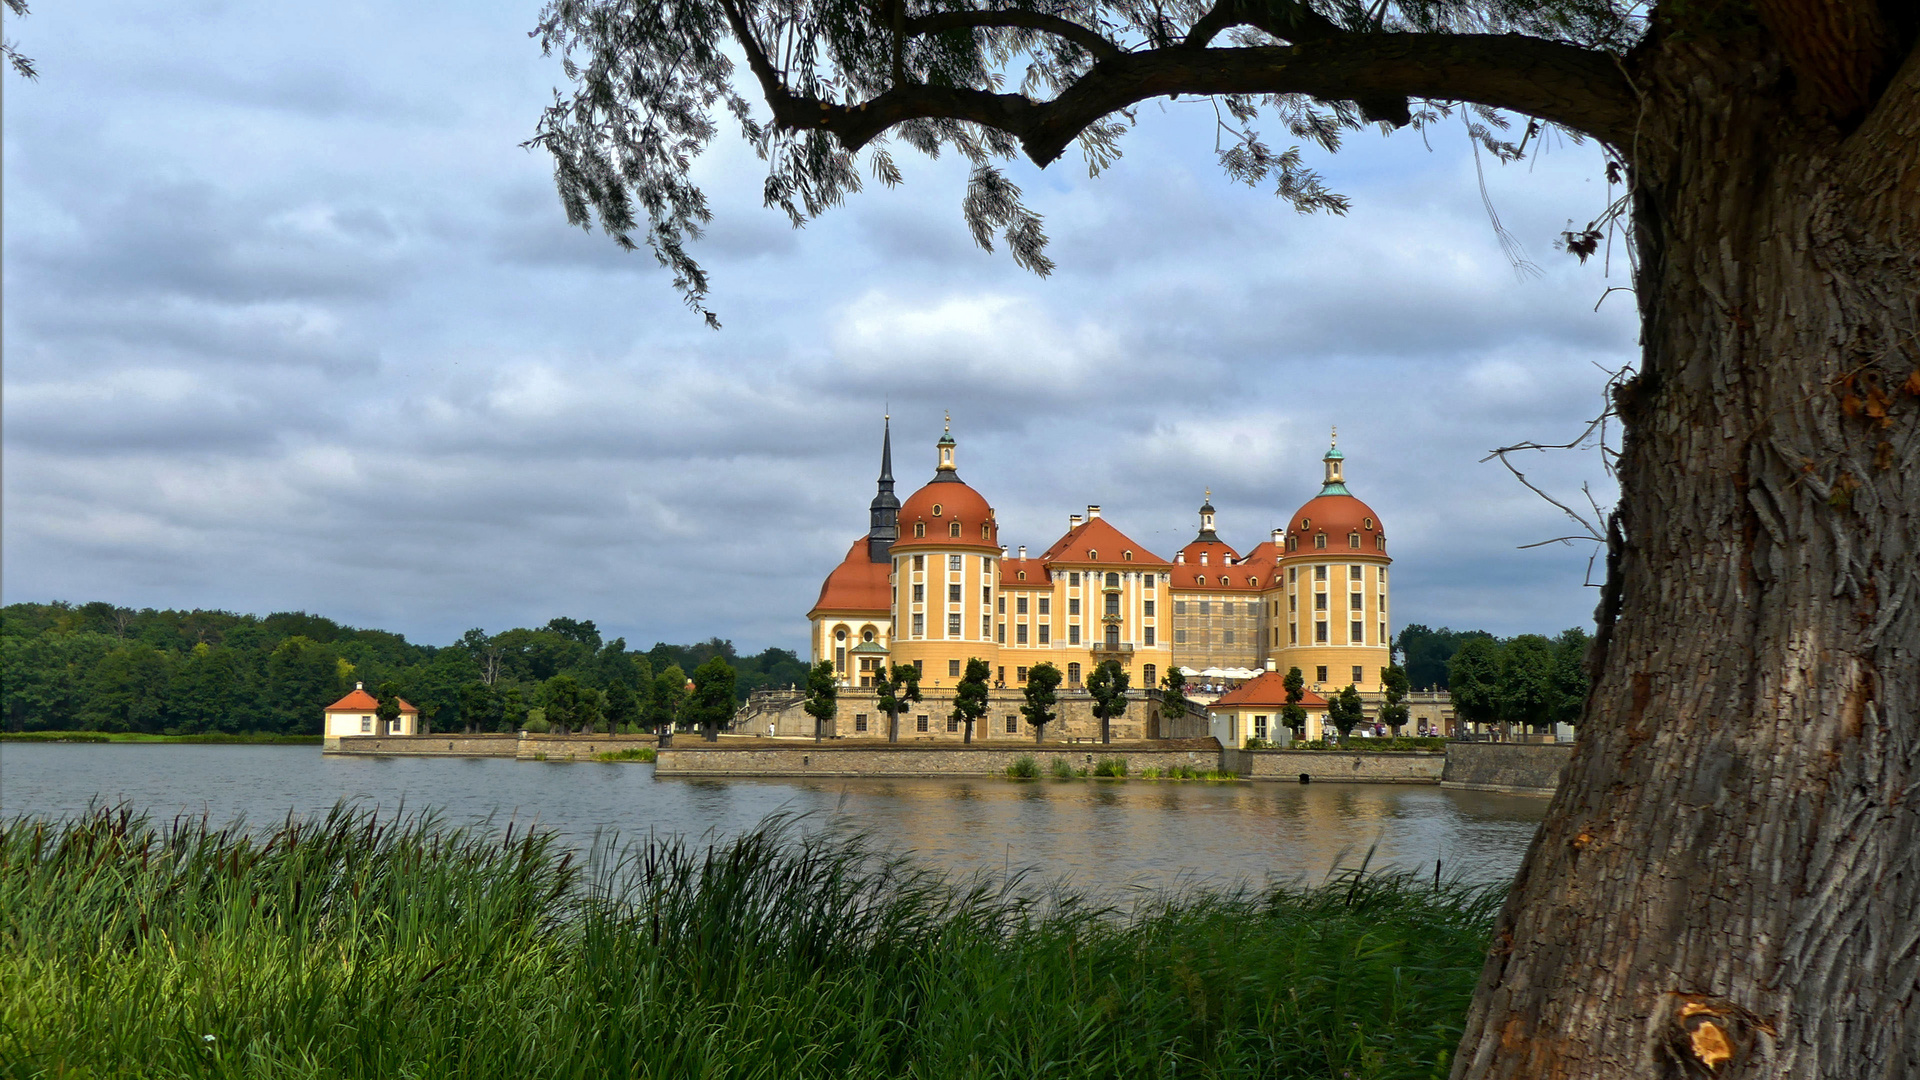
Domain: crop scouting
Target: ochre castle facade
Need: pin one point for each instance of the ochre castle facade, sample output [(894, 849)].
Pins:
[(931, 584)]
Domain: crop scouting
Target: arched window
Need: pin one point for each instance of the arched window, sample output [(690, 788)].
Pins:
[(954, 530), (1254, 581), (1022, 575), (984, 527), (919, 528), (1113, 581), (1092, 554), (840, 634), (1200, 579), (1127, 555)]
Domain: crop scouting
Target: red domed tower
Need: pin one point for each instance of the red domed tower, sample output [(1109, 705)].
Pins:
[(1333, 622), (944, 579)]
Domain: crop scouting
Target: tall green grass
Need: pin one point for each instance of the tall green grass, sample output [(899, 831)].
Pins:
[(243, 738), (356, 946)]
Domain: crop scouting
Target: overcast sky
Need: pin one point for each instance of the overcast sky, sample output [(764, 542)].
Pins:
[(292, 322)]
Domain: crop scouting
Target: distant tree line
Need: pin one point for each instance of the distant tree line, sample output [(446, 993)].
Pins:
[(104, 668)]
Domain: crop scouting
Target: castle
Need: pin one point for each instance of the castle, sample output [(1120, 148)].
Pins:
[(930, 584)]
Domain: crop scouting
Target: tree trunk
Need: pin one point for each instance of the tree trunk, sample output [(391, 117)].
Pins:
[(1727, 883)]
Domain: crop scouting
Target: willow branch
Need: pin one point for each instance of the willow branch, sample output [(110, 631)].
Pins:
[(1028, 20), (1579, 88)]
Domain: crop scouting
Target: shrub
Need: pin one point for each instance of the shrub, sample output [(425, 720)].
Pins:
[(1060, 769), (1024, 767), (537, 724), (1111, 766), (1254, 742), (1151, 772), (631, 753)]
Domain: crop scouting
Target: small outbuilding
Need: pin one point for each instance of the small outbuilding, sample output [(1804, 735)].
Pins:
[(358, 714), (1252, 711)]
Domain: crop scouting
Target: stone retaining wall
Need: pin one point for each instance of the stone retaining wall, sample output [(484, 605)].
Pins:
[(1517, 768), (1339, 767), (786, 717), (525, 746), (908, 760)]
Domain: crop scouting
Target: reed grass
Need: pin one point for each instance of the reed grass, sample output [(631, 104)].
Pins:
[(350, 945)]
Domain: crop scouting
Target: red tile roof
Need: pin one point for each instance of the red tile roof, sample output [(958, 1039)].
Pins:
[(1097, 543), (361, 701), (1269, 688), (955, 502), (1038, 577), (1337, 516), (857, 584)]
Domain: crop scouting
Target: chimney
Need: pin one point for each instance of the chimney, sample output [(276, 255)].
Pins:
[(1276, 537), (1273, 664), (1003, 551), (1203, 558), (1023, 551), (1227, 560), (1073, 521), (359, 686), (1093, 511), (1180, 557)]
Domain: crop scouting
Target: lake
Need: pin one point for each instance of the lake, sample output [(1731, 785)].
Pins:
[(1101, 836)]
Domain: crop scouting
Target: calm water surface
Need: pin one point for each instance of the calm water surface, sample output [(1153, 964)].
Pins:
[(1100, 836)]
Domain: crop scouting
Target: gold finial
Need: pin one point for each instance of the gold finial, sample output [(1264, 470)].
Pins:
[(949, 420), (1209, 494), (1335, 437)]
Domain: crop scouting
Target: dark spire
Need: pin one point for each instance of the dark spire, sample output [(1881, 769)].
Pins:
[(883, 514)]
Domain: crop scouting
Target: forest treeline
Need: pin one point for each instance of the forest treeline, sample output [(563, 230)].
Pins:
[(97, 667), (1526, 679)]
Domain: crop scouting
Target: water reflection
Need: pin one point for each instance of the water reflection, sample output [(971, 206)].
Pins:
[(1100, 835)]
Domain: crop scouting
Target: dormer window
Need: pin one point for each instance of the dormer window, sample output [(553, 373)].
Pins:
[(1380, 542), (1022, 575), (1092, 555), (983, 531), (1127, 555), (953, 530), (1353, 540), (1320, 540), (919, 528)]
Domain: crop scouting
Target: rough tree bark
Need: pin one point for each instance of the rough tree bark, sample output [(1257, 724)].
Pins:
[(1728, 882)]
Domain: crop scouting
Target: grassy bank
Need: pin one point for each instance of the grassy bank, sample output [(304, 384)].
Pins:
[(354, 947), (246, 738)]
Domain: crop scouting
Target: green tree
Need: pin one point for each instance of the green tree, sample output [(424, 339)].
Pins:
[(1393, 697), (205, 692), (823, 692), (1345, 710), (711, 703), (1570, 680), (667, 699), (1041, 693), (562, 700), (1527, 692), (1293, 714), (893, 692), (970, 696), (303, 677), (1473, 679), (127, 691), (622, 707), (1108, 688), (480, 708), (388, 709), (1174, 703)]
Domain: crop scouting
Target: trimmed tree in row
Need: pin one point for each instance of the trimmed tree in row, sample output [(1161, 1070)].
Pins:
[(893, 691), (1108, 687), (1040, 697), (970, 697), (823, 695)]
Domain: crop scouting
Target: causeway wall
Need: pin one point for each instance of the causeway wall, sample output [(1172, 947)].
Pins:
[(1338, 767), (525, 746), (911, 760), (1515, 768)]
